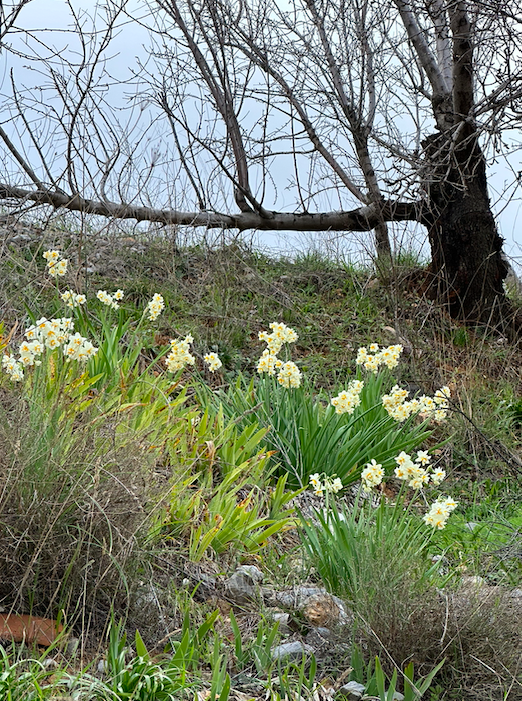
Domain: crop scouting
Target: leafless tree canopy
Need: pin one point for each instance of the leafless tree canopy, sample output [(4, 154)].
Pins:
[(259, 114)]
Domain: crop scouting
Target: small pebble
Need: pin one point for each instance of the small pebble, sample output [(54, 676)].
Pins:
[(294, 650)]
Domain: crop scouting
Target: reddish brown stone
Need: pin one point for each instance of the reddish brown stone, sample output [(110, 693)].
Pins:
[(28, 629)]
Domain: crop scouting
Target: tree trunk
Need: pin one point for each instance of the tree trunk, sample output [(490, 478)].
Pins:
[(382, 243), (467, 269)]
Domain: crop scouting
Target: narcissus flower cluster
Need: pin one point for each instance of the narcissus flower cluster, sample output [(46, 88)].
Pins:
[(289, 374), (213, 361), (72, 299), (51, 334), (322, 483), (373, 357), (268, 363), (347, 401), (56, 265), (417, 472), (372, 475), (155, 307), (180, 355), (400, 409), (110, 300), (12, 367), (78, 348), (439, 512), (281, 333)]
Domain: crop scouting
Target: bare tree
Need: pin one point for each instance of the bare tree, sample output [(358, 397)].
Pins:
[(311, 115)]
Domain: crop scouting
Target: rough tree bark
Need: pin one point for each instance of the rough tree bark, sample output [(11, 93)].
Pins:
[(467, 268)]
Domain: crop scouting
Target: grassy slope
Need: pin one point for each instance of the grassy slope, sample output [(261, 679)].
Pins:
[(225, 296)]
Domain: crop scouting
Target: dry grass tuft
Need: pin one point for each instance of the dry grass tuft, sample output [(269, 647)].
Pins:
[(72, 511), (476, 630)]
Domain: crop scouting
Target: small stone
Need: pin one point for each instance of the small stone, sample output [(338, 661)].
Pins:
[(352, 690), (471, 525), (391, 333), (242, 586), (318, 638), (146, 596), (50, 663), (283, 619), (251, 571), (323, 609), (102, 667), (71, 646), (473, 582), (318, 606), (397, 696), (294, 598), (291, 651)]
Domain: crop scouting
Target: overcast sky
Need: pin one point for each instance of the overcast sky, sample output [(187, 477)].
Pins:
[(130, 46)]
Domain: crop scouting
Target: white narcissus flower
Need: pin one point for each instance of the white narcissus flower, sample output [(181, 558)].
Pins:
[(373, 357), (79, 348), (434, 408), (449, 503), (155, 307), (72, 299), (362, 355), (437, 476), (330, 484), (268, 363), (419, 480), (61, 267), (347, 401), (108, 300), (403, 459), (423, 457), (336, 485), (13, 368), (56, 265), (179, 355), (372, 475), (439, 512), (281, 333), (401, 473), (407, 469), (289, 375), (213, 361)]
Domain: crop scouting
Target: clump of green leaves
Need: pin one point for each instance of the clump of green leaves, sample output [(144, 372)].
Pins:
[(379, 686), (220, 520), (140, 677), (362, 551), (304, 428), (24, 679)]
